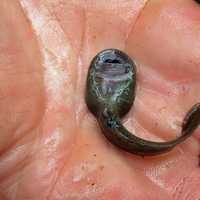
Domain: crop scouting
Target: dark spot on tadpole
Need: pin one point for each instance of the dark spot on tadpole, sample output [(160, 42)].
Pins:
[(112, 61)]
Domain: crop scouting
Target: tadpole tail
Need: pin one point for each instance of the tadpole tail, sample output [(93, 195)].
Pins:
[(118, 135)]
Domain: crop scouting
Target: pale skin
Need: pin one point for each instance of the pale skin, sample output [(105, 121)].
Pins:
[(51, 146)]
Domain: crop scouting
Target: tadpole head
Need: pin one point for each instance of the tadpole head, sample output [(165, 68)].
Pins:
[(111, 82)]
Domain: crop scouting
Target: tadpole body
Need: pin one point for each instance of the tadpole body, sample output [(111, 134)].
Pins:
[(110, 93)]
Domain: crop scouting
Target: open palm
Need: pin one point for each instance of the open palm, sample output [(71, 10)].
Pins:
[(51, 146)]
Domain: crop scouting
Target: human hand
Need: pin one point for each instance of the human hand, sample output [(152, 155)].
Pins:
[(51, 146)]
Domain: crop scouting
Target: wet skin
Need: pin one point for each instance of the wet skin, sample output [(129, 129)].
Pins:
[(51, 146), (110, 93)]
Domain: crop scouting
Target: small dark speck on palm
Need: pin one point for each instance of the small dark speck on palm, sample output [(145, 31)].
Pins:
[(199, 160)]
